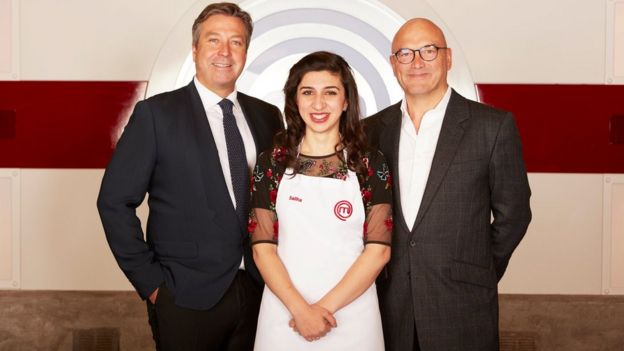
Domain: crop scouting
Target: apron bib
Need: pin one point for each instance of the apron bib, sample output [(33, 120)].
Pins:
[(320, 236)]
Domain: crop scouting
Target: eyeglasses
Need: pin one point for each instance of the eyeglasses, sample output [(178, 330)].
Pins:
[(427, 53)]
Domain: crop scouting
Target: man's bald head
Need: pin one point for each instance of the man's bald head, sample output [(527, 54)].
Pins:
[(419, 26)]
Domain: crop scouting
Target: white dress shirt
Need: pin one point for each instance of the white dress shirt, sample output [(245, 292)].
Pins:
[(416, 152), (214, 113), (210, 101)]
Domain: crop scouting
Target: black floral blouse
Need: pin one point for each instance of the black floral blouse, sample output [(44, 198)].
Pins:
[(375, 187)]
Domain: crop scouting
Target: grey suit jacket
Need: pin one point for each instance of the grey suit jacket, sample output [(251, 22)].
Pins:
[(442, 278)]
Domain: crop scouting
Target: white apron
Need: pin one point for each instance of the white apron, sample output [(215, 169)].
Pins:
[(320, 236)]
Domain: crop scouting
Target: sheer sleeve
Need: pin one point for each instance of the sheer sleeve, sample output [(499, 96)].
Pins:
[(263, 218), (377, 194)]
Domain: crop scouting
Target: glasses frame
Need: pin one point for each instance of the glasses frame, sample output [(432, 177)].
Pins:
[(414, 51)]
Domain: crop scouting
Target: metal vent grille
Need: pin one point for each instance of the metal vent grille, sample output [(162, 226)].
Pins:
[(96, 339), (517, 341)]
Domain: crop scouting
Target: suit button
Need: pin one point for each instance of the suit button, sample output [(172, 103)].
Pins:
[(412, 243)]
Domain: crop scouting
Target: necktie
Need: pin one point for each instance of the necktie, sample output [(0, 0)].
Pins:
[(236, 158)]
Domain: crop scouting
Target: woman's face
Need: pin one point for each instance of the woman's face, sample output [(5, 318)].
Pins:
[(321, 101)]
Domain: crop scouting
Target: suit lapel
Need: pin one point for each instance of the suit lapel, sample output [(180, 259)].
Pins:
[(450, 137), (212, 173), (389, 145)]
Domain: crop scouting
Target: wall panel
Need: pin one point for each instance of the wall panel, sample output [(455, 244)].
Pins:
[(562, 250), (615, 42), (9, 39), (10, 254), (613, 234)]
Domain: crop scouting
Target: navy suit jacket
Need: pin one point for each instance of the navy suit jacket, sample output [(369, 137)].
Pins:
[(194, 241)]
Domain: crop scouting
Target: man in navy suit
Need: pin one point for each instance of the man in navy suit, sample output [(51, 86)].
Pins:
[(456, 165), (191, 150)]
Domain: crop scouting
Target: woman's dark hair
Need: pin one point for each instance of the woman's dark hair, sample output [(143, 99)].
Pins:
[(350, 128)]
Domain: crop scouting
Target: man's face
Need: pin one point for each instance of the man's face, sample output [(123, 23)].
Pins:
[(220, 53), (421, 78)]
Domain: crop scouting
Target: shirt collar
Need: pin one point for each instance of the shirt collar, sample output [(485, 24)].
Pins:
[(210, 99), (437, 111)]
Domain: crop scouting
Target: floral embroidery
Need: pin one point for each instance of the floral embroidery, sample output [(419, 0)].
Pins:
[(252, 184), (305, 165), (327, 168), (273, 197), (275, 230), (389, 224), (367, 196), (271, 181), (341, 176), (274, 176), (251, 224), (278, 154), (366, 189), (365, 186), (257, 175), (384, 173), (324, 168)]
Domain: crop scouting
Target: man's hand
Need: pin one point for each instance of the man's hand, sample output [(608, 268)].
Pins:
[(152, 297)]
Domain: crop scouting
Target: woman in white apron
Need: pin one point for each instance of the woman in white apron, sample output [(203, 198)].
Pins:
[(321, 218)]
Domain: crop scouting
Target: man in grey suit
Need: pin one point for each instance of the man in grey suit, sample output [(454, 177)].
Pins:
[(461, 202)]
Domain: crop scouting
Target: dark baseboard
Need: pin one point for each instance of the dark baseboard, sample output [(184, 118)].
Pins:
[(57, 320), (565, 322)]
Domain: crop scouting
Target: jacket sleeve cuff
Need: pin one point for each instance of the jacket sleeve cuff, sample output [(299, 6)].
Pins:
[(146, 279)]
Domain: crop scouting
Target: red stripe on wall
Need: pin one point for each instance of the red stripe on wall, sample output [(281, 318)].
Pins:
[(564, 128), (63, 124)]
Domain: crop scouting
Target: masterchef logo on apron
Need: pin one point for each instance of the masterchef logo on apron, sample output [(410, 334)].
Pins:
[(343, 210)]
